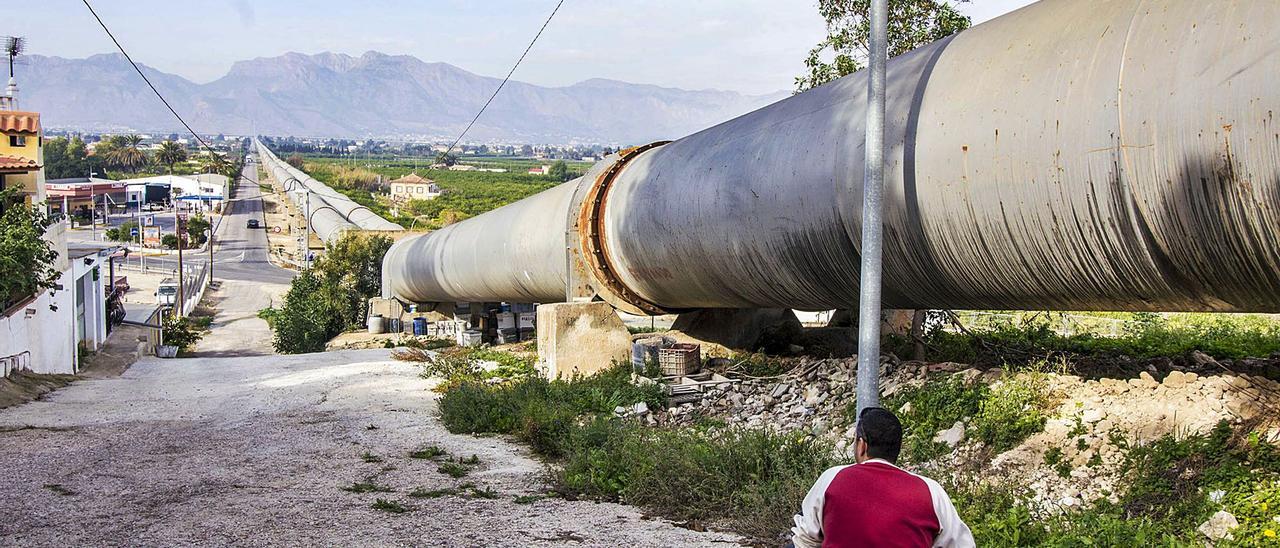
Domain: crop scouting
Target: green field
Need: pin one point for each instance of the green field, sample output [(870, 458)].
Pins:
[(467, 193)]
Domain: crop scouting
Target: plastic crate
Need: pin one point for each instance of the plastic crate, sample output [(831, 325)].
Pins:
[(679, 359)]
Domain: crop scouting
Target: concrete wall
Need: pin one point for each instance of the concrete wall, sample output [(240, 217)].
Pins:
[(48, 336)]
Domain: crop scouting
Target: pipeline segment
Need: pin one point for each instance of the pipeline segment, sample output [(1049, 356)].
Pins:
[(331, 212), (1119, 155)]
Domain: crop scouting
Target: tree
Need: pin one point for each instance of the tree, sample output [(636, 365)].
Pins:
[(332, 296), (295, 160), (171, 153), (124, 152), (197, 226), (26, 258), (912, 23), (446, 159), (124, 232), (559, 171)]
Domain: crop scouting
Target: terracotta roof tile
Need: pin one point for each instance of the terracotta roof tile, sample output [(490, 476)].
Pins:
[(412, 178), (13, 121), (12, 163)]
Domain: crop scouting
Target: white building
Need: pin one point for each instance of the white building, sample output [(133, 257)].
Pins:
[(413, 187), (204, 192)]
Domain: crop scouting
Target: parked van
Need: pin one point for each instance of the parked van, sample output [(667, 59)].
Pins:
[(167, 293)]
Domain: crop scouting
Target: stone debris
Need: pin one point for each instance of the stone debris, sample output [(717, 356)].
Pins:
[(816, 397), (1219, 526)]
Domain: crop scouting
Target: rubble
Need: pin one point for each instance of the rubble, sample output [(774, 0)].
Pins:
[(817, 395)]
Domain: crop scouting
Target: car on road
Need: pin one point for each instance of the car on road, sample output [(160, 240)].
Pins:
[(253, 223), (167, 293)]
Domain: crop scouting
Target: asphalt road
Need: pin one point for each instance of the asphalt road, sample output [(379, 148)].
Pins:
[(239, 253)]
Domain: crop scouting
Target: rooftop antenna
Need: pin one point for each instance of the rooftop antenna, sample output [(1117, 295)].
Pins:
[(13, 45)]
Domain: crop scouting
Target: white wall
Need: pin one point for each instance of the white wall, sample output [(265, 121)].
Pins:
[(48, 335)]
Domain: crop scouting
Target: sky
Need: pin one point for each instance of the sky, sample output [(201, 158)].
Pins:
[(749, 46)]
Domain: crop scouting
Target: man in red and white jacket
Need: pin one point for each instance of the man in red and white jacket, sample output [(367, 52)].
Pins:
[(874, 503)]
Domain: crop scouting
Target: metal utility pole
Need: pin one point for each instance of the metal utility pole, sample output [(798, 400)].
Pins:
[(868, 390)]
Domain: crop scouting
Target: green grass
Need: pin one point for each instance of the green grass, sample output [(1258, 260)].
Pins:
[(370, 457), (1031, 337), (528, 499), (538, 411)]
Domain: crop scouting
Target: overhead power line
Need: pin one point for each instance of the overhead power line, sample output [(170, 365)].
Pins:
[(504, 80), (216, 158)]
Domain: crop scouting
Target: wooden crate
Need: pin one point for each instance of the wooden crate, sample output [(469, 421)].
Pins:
[(679, 359)]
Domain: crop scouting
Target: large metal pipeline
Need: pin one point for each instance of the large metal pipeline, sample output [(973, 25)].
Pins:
[(331, 211), (1102, 155)]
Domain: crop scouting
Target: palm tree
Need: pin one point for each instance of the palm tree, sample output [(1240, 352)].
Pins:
[(125, 154), (171, 153)]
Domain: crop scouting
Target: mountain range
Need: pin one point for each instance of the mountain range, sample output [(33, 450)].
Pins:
[(373, 95)]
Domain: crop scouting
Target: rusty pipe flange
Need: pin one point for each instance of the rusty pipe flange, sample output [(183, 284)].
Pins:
[(595, 250)]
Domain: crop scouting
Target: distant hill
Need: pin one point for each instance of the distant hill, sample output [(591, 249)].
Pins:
[(375, 95)]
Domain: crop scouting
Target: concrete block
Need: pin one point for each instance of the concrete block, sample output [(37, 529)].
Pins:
[(580, 339)]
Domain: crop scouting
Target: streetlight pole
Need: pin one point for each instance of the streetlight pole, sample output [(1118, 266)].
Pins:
[(868, 387)]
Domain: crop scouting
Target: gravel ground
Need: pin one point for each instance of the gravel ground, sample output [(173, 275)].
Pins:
[(254, 451)]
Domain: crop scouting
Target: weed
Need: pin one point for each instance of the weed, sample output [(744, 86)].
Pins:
[(366, 486), (761, 365), (421, 493), (370, 457), (389, 506), (472, 460), (452, 469), (529, 499), (1029, 338), (429, 452), (538, 411), (485, 493), (57, 488), (936, 405), (1013, 410), (371, 427)]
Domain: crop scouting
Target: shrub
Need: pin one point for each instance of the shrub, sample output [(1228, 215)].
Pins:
[(1012, 410), (180, 332), (936, 405), (752, 479), (330, 297), (26, 258), (539, 411), (169, 241)]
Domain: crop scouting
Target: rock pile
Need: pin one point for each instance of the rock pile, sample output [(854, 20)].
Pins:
[(1093, 417)]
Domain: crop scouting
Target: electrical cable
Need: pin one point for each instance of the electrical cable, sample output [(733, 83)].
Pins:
[(217, 158), (504, 80)]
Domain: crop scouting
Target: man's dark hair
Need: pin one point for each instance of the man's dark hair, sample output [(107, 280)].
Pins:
[(880, 428)]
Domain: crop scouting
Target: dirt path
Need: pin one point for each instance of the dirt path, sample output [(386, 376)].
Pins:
[(255, 450), (237, 330)]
